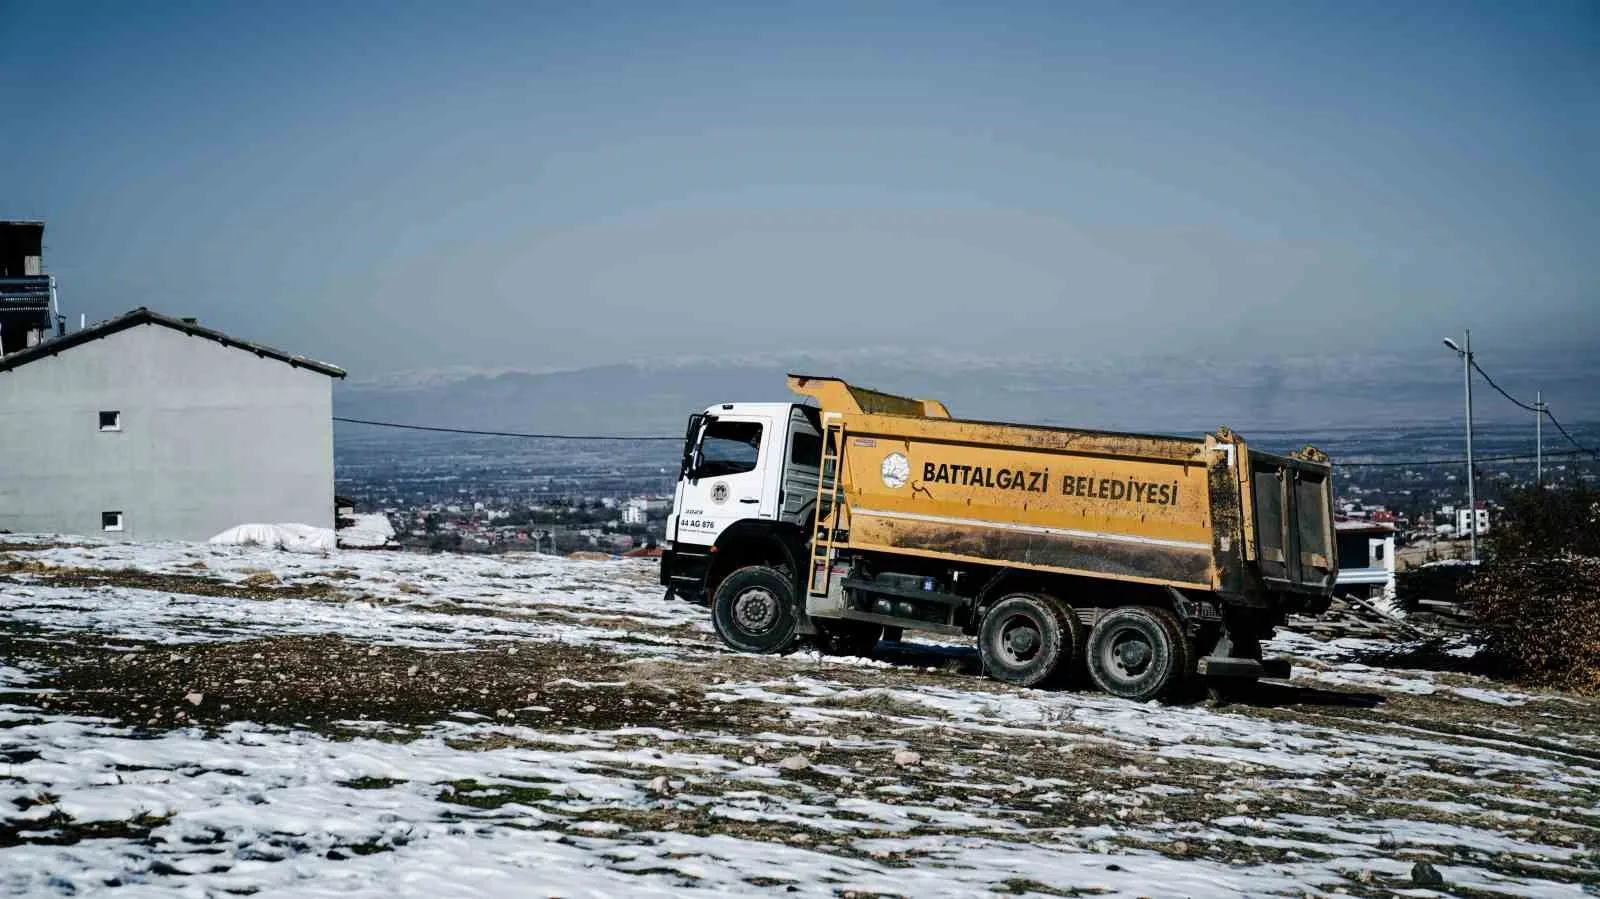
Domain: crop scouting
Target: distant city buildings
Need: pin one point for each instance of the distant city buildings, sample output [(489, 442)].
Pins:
[(561, 526)]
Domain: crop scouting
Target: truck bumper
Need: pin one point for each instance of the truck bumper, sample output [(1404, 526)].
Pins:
[(1274, 669)]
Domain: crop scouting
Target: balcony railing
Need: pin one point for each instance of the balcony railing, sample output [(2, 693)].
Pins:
[(1365, 576), (25, 292)]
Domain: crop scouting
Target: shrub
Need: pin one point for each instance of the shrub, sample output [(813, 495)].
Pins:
[(1537, 600), (1544, 522), (1540, 619)]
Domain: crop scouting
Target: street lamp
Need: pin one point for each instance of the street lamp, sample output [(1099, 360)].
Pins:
[(1466, 374)]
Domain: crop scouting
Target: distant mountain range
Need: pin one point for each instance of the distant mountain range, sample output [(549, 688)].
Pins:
[(1165, 395)]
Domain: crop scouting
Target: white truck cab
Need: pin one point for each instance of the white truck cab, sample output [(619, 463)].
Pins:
[(743, 464)]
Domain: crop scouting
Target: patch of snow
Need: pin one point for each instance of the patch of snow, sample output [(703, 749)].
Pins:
[(368, 532), (295, 538), (1494, 697)]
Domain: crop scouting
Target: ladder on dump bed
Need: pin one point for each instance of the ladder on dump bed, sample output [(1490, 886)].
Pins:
[(822, 537)]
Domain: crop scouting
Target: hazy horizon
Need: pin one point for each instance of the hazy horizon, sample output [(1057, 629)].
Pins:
[(1375, 394), (415, 187)]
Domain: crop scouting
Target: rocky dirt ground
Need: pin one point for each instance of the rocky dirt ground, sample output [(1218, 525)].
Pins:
[(212, 720)]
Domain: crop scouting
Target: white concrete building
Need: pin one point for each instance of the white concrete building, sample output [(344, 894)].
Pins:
[(1464, 520), (634, 513), (152, 427), (1366, 559)]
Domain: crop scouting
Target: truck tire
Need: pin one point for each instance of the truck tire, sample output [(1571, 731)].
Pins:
[(1139, 653), (847, 638), (753, 611), (1029, 640)]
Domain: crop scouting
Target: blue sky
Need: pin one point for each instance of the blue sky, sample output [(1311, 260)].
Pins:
[(421, 185)]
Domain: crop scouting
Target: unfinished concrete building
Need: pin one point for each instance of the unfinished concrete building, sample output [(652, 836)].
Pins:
[(28, 313)]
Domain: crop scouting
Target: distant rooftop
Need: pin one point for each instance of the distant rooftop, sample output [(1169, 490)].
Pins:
[(1359, 526)]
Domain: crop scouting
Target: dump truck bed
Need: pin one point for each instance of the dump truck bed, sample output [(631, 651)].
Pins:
[(1175, 511), (1125, 505)]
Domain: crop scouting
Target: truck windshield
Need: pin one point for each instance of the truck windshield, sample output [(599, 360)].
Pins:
[(729, 447)]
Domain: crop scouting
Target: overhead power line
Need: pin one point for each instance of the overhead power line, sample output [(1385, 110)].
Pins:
[(1423, 463), (1542, 409), (1498, 389), (405, 427), (1413, 463), (1569, 436)]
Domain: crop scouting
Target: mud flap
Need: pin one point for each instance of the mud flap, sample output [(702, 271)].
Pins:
[(803, 625)]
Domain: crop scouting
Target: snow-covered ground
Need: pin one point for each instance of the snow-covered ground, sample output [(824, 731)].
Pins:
[(202, 719)]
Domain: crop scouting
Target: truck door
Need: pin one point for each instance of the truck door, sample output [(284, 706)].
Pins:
[(726, 480), (801, 467)]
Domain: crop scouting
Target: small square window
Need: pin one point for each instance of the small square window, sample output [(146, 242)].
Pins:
[(110, 521), (110, 421)]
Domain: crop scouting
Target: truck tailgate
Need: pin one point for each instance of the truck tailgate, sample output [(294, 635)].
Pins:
[(1292, 503)]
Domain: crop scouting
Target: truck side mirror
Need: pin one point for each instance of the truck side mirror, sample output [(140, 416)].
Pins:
[(691, 445)]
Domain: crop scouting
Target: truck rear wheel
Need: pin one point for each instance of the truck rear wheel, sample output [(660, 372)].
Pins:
[(1029, 640), (753, 611), (1139, 653)]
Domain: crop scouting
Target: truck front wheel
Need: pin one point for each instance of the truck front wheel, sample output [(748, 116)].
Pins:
[(1138, 653), (1028, 640), (753, 611)]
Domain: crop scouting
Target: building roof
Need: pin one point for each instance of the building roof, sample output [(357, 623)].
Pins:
[(143, 316), (1355, 526)]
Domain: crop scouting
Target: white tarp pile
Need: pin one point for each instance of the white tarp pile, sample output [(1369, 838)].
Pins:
[(368, 532), (295, 538)]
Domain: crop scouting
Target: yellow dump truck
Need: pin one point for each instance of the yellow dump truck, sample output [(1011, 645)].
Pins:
[(1142, 563)]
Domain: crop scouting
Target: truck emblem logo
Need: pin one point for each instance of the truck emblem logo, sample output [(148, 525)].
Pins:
[(896, 471), (719, 492)]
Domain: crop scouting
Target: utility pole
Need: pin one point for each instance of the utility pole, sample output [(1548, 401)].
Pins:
[(1538, 438), (1472, 473), (1472, 503)]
